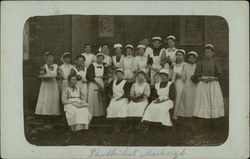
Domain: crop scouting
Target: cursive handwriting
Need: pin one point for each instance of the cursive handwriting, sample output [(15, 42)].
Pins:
[(134, 152)]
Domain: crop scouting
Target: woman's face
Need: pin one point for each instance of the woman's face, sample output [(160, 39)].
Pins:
[(99, 59), (141, 51), (119, 75), (118, 51), (73, 81), (105, 49), (87, 48), (171, 43), (145, 42), (156, 44), (164, 77), (208, 53), (129, 52), (191, 59), (49, 59), (67, 59), (179, 57), (141, 77), (80, 61)]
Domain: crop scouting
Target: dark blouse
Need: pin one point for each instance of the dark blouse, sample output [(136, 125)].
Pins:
[(171, 94), (126, 88), (90, 75), (208, 67)]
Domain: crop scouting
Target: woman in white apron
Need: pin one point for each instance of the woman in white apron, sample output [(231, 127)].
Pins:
[(154, 60), (158, 110), (118, 106), (168, 57), (80, 71), (209, 99), (141, 59), (177, 79), (139, 93), (129, 64), (96, 94), (118, 57), (65, 70), (89, 57), (76, 108), (48, 99)]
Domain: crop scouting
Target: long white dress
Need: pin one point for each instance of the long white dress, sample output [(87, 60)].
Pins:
[(118, 109), (77, 113), (48, 99), (136, 109), (179, 84), (82, 84), (65, 70), (159, 112), (171, 53), (187, 101), (95, 97), (89, 57), (129, 65)]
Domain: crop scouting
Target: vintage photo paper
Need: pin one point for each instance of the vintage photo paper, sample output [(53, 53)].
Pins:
[(126, 79)]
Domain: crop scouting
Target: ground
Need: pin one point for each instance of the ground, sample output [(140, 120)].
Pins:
[(55, 132)]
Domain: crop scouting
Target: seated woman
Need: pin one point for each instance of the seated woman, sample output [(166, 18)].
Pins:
[(158, 110), (139, 94), (77, 113), (118, 106)]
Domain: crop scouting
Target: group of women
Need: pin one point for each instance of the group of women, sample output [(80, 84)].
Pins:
[(144, 86)]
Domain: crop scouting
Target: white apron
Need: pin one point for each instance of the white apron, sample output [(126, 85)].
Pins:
[(136, 109), (179, 84), (95, 97), (48, 99), (65, 71), (142, 63), (118, 109), (76, 115), (159, 112), (154, 75)]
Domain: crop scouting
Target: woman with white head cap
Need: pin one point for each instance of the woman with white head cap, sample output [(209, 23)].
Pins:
[(96, 74), (168, 56), (158, 109), (65, 70), (129, 64), (209, 99), (48, 99), (118, 57), (154, 60), (141, 59), (177, 78), (118, 106), (107, 62)]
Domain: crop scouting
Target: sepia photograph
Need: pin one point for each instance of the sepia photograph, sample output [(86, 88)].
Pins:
[(126, 80)]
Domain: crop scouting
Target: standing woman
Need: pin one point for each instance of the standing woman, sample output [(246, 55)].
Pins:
[(48, 99), (80, 71), (168, 57), (95, 76), (118, 106), (76, 108), (209, 99), (129, 64), (154, 60), (158, 109), (141, 59), (65, 69), (89, 57), (139, 94), (118, 57), (177, 78)]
